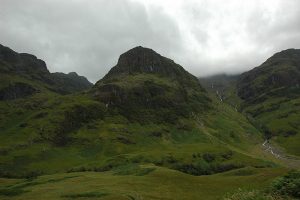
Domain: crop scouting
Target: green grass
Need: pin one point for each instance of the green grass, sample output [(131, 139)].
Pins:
[(281, 118), (162, 183), (253, 195)]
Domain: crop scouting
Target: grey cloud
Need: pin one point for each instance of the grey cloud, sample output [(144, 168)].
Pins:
[(206, 37), (84, 36)]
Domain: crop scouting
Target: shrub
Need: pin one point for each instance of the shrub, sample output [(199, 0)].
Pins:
[(227, 155), (209, 157), (288, 184), (251, 195)]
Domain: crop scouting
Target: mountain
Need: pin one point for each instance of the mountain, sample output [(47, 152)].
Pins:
[(279, 76), (146, 86), (23, 75), (268, 95), (71, 82), (222, 86), (148, 122), (271, 94)]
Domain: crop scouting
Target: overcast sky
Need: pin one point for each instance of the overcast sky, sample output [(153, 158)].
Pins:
[(204, 36)]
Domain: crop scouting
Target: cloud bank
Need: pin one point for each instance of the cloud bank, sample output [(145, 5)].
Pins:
[(204, 36)]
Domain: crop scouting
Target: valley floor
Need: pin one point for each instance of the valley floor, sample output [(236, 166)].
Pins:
[(161, 183)]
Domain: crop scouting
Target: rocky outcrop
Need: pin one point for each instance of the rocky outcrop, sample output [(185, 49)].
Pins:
[(22, 63), (145, 60), (16, 91)]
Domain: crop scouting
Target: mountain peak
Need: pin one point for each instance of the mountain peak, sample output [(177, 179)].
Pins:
[(73, 74), (140, 59), (145, 60), (137, 51)]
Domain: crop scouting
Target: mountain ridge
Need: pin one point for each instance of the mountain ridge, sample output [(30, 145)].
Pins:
[(22, 70)]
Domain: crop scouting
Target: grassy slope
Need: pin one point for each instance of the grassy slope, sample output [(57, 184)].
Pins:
[(281, 116), (221, 139), (277, 113), (271, 95), (125, 145), (101, 141), (161, 183)]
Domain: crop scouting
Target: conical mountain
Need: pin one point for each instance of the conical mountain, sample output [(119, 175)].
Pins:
[(147, 86), (145, 60)]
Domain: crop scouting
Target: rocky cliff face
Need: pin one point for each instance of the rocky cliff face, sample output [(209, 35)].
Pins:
[(145, 60), (16, 91), (23, 64)]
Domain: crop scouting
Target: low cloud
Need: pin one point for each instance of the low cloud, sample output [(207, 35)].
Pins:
[(205, 37)]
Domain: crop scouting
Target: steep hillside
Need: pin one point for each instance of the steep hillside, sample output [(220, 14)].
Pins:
[(279, 76), (268, 95), (23, 75), (71, 82), (147, 87), (271, 94), (222, 86)]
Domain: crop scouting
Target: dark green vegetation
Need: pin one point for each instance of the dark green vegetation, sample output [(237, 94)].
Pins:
[(269, 95), (282, 188), (288, 185), (162, 183), (148, 122)]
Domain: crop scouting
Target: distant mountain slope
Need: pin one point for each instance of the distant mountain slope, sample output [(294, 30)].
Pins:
[(223, 86), (24, 75), (271, 94), (71, 82)]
